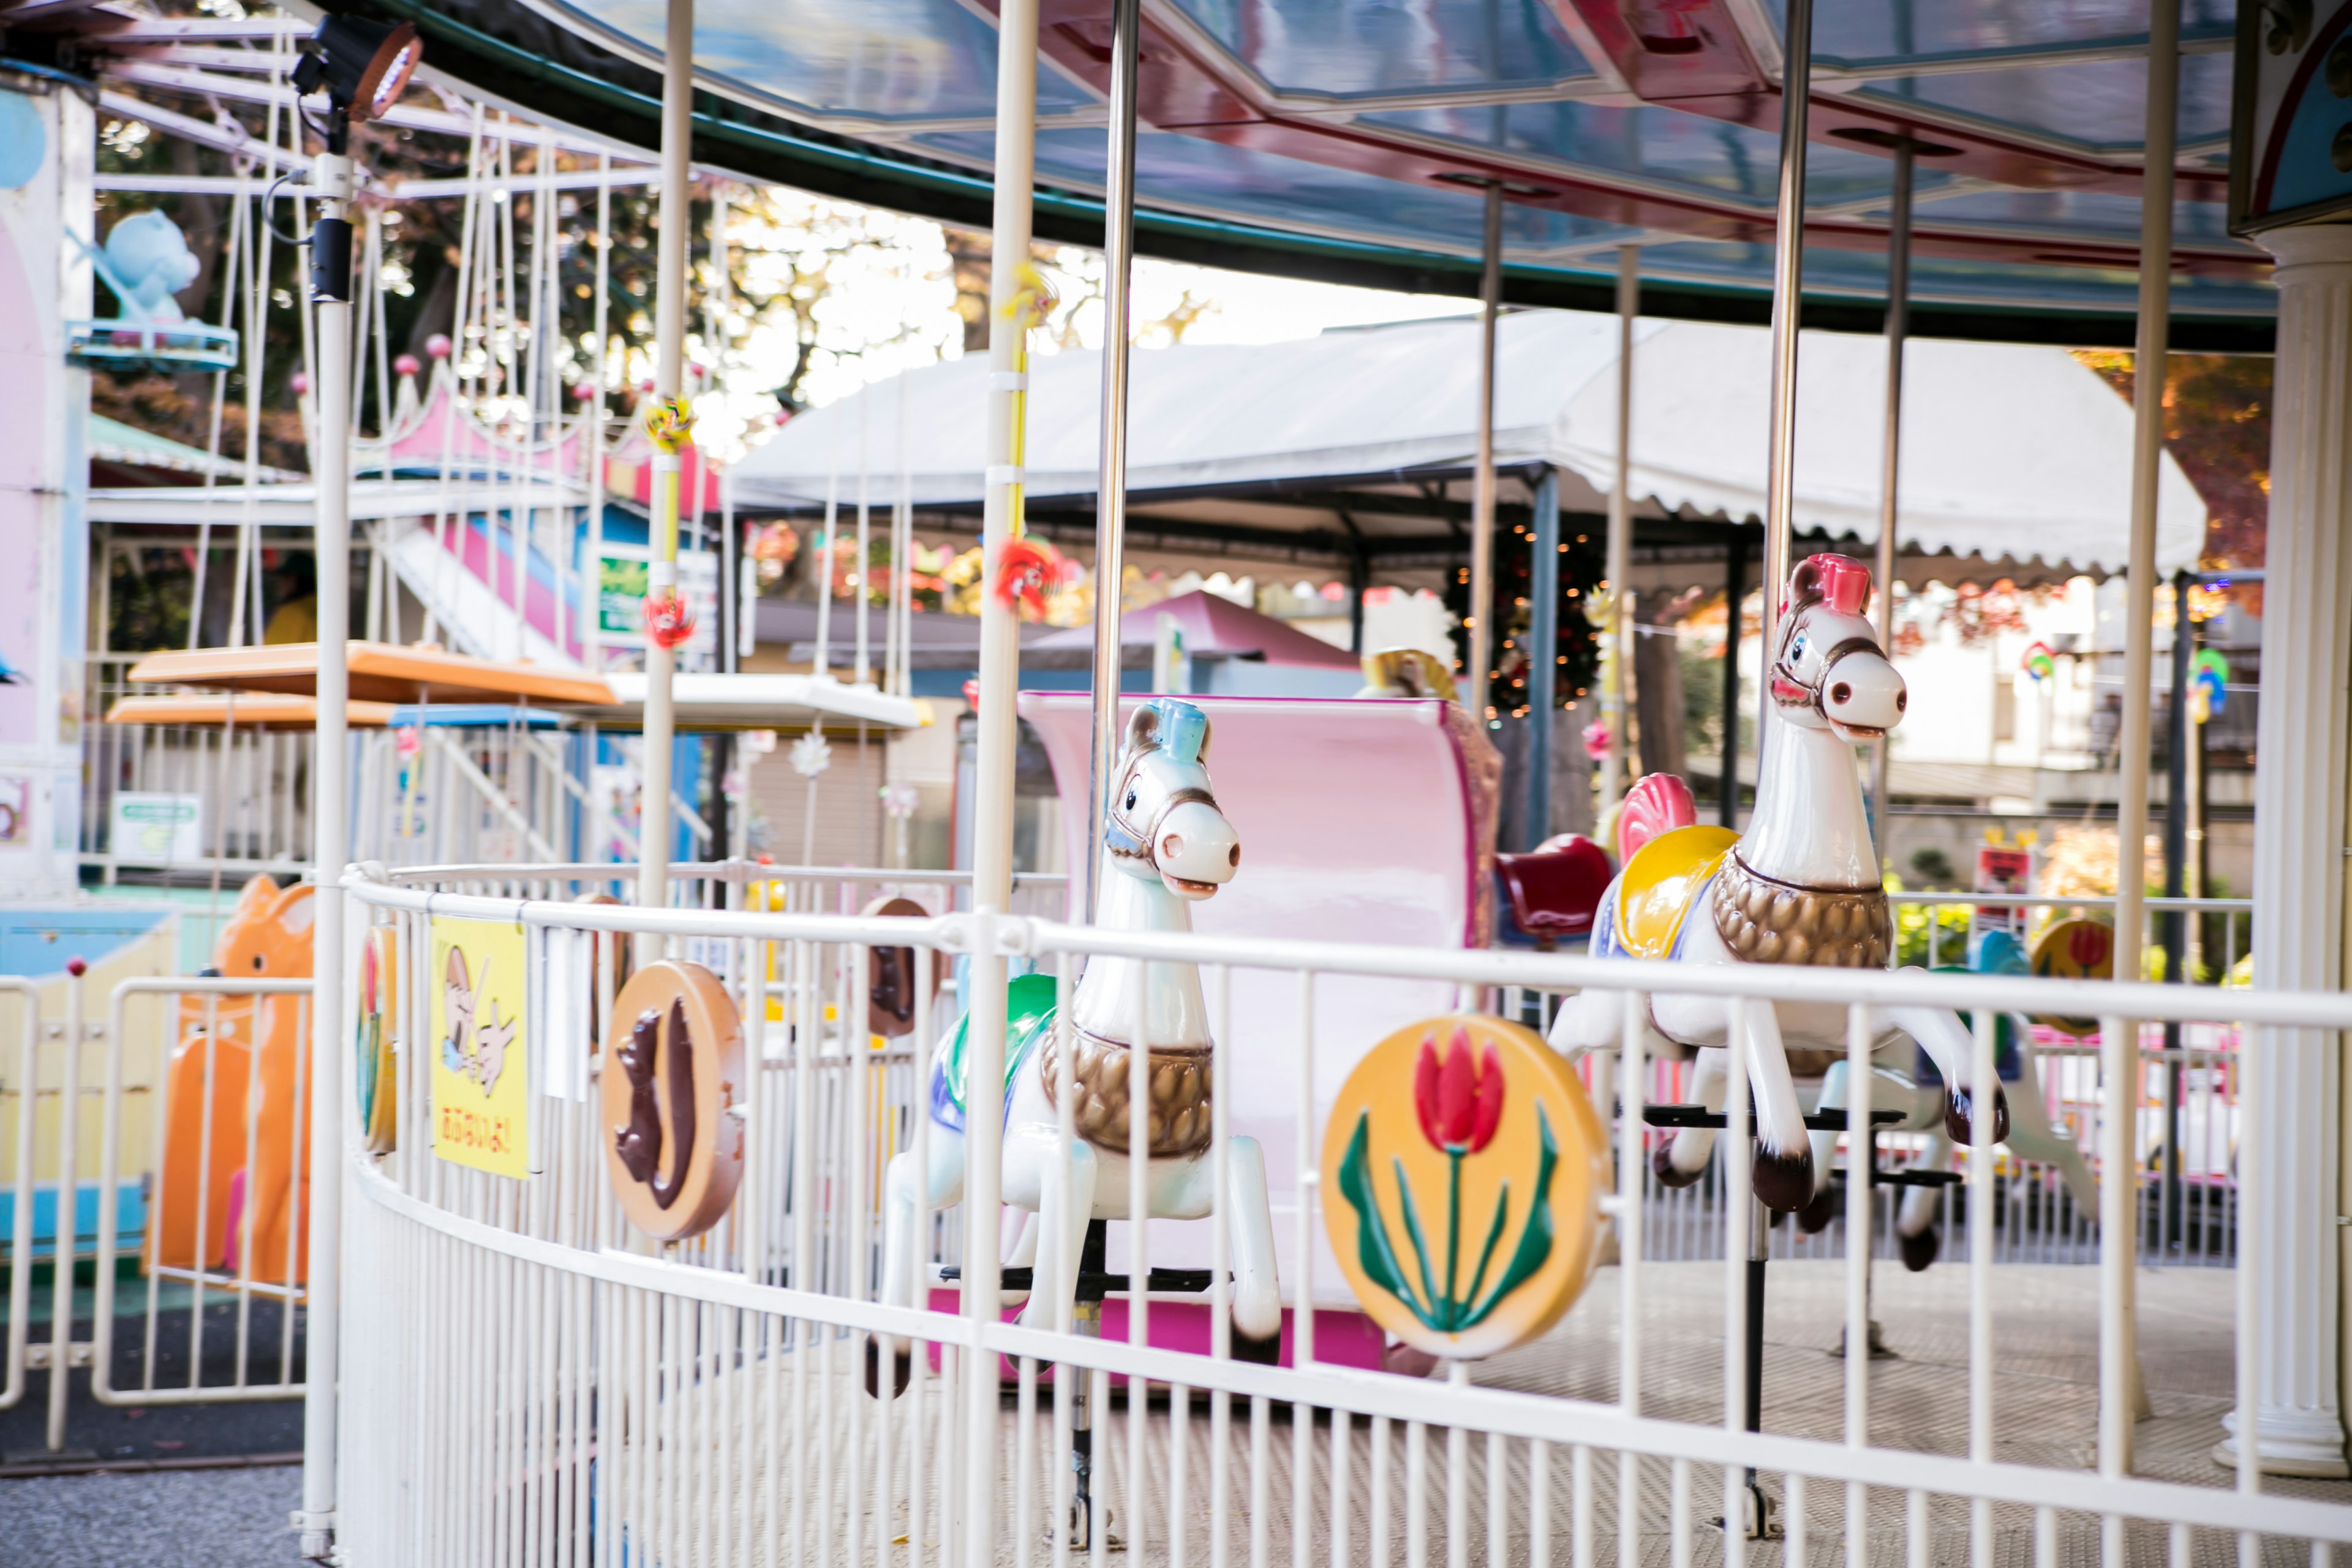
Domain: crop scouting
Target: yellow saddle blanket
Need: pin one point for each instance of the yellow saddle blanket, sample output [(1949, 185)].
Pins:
[(1660, 884)]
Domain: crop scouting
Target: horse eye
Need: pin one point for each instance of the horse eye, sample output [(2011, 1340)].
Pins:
[(1131, 800), (256, 960)]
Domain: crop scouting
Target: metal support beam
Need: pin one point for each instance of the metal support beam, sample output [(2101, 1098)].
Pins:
[(1788, 300), (1110, 488), (1475, 631), (2119, 1353), (1009, 302), (1618, 557), (1543, 653), (669, 370), (1898, 326), (1735, 590)]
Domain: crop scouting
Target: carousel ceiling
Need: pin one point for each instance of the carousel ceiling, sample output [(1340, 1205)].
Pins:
[(1350, 141)]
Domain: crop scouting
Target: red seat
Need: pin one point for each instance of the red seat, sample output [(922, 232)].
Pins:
[(1556, 890)]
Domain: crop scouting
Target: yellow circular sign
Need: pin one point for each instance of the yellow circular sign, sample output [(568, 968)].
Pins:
[(672, 1072), (1461, 1171), (2074, 950)]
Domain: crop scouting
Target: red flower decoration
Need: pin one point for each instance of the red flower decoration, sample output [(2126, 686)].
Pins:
[(1460, 1105), (1026, 568), (670, 619)]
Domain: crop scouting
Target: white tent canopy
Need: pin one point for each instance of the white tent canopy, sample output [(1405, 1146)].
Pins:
[(2008, 450)]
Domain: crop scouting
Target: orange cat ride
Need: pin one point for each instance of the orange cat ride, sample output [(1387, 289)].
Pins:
[(239, 1189)]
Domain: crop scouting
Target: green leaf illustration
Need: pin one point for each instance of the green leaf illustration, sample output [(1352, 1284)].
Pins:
[(1412, 1233), (1493, 1235), (1374, 1254), (1535, 1242)]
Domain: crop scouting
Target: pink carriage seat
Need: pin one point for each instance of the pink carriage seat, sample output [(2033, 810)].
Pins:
[(1556, 890), (1657, 803)]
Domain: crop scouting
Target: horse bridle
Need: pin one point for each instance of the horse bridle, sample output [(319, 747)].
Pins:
[(1810, 694), (1120, 835)]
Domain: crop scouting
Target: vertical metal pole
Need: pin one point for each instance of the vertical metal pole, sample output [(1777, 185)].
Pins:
[(330, 827), (1000, 656), (1735, 591), (2180, 737), (1474, 630), (1787, 299), (654, 824), (1898, 328), (1618, 557), (1110, 487), (1543, 653), (2119, 1357)]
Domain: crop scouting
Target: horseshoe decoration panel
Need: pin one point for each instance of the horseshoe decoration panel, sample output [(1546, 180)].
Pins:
[(890, 974), (672, 1075)]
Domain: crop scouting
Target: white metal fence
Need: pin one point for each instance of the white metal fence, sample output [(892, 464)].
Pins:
[(526, 1381), (158, 1181)]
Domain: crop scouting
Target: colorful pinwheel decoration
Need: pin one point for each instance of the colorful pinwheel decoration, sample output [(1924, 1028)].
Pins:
[(1027, 569), (2208, 684), (2039, 661)]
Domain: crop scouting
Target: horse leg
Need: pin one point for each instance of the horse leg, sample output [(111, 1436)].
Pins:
[(1816, 1215), (1681, 1159), (2032, 1137), (1947, 1041), (943, 1187), (1065, 1205), (1783, 1169), (1914, 1222), (1258, 1292)]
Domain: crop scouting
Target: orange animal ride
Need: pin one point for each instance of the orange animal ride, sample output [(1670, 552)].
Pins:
[(240, 1189)]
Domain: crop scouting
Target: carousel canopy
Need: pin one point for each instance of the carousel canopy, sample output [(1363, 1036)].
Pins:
[(1351, 141), (2009, 452)]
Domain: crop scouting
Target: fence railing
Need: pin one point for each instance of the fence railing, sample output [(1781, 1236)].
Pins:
[(541, 1384), (159, 1179)]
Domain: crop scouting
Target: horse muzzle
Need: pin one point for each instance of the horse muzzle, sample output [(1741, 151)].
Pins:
[(1195, 850), (1862, 696)]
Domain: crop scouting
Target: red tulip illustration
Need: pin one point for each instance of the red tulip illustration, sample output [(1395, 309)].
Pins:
[(670, 619), (1459, 1106)]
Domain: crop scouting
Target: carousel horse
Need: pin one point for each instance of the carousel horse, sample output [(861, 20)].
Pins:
[(1919, 1097), (1165, 845), (1801, 887)]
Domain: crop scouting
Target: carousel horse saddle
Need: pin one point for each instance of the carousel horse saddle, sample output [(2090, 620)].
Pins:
[(1179, 1076), (1661, 882)]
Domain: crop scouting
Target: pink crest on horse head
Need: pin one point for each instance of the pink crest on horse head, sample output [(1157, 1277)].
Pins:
[(1839, 580), (1657, 804)]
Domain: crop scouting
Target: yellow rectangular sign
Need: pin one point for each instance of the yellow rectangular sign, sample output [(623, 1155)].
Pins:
[(481, 1080)]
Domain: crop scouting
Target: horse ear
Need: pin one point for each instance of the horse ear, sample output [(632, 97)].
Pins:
[(1805, 583), (1200, 752), (1143, 727)]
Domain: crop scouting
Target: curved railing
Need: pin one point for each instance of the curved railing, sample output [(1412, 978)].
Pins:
[(528, 1378)]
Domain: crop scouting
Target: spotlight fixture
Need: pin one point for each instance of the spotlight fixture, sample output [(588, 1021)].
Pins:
[(361, 65)]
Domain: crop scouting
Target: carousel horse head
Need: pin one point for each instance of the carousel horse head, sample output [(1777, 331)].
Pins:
[(1827, 671), (1163, 820)]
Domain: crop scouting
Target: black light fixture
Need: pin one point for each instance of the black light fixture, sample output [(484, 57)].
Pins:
[(361, 65)]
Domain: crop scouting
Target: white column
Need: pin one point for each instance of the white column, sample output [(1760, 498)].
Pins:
[(2299, 828)]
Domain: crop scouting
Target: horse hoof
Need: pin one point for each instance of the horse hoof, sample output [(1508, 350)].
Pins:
[(1784, 1181), (1919, 1250), (1266, 1352), (902, 1368), (1661, 1165), (1815, 1217), (1959, 1117)]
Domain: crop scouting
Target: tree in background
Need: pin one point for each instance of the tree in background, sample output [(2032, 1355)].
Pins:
[(2216, 424)]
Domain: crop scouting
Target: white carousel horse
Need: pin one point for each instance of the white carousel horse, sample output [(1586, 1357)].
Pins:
[(1165, 845), (2030, 1136), (1802, 887)]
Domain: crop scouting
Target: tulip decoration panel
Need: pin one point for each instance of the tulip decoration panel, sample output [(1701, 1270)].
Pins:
[(482, 1079), (670, 1099), (1463, 1166)]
